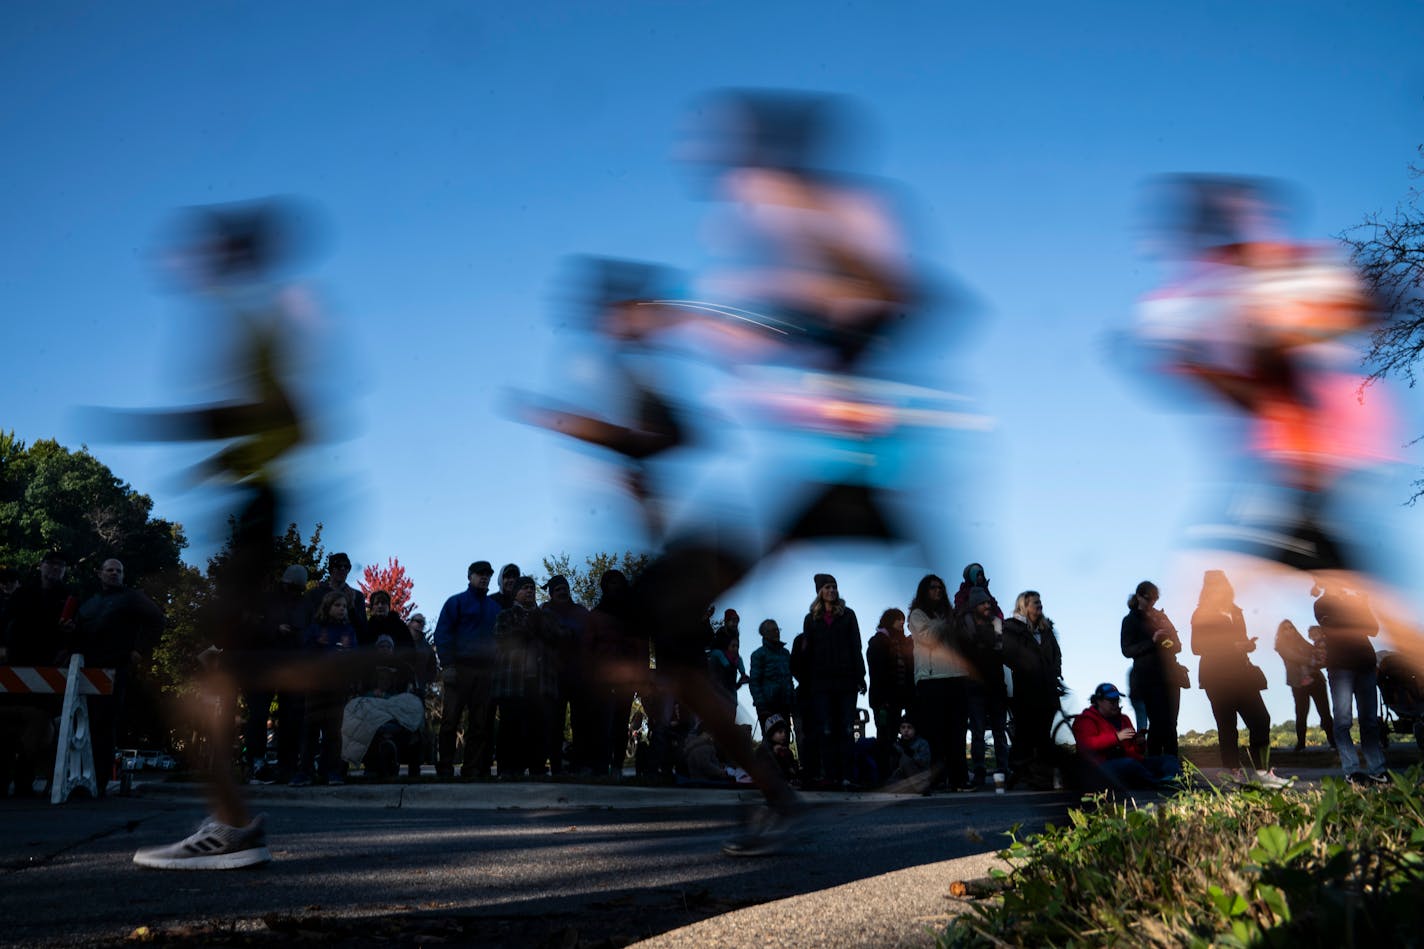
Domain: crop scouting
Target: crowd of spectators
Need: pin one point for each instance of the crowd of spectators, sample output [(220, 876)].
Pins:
[(510, 687)]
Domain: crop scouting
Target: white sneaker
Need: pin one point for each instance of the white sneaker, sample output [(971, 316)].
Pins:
[(1261, 779), (213, 846)]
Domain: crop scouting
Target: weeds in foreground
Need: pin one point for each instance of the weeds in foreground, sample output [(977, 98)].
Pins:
[(1333, 866)]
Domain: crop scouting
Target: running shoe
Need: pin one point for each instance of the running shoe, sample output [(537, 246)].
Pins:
[(769, 832), (213, 846)]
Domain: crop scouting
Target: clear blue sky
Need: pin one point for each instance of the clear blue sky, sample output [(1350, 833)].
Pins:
[(459, 151)]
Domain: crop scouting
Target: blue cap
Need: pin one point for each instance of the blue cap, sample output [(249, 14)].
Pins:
[(1106, 690)]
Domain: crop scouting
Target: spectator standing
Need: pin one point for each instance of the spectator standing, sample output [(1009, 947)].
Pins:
[(526, 682), (981, 635), (835, 670), (941, 682), (621, 671), (331, 632), (338, 568), (1232, 683), (116, 627), (724, 664), (571, 702), (464, 644), (1348, 624), (1034, 658), (1150, 640), (284, 620), (508, 579), (890, 662), (1305, 680), (770, 678)]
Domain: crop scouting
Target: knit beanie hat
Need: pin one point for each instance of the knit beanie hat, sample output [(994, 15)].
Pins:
[(822, 579)]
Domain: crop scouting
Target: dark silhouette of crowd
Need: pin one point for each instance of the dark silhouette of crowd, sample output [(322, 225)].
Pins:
[(508, 687)]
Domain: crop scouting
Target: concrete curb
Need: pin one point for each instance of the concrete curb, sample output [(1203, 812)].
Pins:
[(906, 908), (524, 795)]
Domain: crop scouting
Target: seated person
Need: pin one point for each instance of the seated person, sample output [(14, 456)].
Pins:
[(912, 760), (382, 725), (776, 745), (1107, 740)]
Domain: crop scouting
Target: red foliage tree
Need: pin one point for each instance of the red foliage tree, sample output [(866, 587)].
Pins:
[(393, 580)]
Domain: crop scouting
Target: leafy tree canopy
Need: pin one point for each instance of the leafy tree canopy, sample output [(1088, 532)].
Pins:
[(583, 581), (52, 498)]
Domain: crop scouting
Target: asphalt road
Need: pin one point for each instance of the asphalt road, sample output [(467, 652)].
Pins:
[(365, 869)]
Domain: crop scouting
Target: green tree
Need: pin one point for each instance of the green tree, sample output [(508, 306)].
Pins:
[(583, 581), (54, 498)]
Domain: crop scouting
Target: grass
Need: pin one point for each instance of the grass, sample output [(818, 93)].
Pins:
[(1329, 866)]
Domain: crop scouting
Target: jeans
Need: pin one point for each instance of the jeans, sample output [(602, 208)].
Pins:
[(1362, 687), (1132, 773), (834, 721), (988, 709)]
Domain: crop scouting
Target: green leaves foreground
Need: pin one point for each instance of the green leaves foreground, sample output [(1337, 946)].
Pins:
[(1329, 866)]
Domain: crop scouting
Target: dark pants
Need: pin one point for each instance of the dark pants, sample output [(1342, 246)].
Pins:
[(988, 710), (1032, 754), (288, 725), (321, 733), (1162, 701), (941, 718), (523, 734), (1303, 695), (834, 714), (470, 693), (1225, 706)]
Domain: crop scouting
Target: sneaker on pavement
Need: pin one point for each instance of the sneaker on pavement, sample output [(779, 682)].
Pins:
[(1365, 780), (1269, 779), (213, 846), (770, 831)]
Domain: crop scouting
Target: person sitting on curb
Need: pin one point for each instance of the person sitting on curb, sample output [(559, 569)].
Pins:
[(912, 768), (776, 744), (1107, 740)]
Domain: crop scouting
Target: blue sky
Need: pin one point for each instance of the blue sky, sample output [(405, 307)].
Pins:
[(458, 152)]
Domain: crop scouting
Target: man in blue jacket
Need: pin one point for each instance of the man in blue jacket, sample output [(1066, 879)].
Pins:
[(464, 643)]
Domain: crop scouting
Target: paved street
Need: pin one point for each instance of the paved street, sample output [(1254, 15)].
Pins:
[(505, 865)]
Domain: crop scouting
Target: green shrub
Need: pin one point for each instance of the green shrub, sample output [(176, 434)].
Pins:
[(1330, 866)]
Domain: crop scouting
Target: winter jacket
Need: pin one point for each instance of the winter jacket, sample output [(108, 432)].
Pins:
[(326, 637), (1096, 736), (833, 652), (983, 647), (891, 661), (464, 634), (527, 657), (1149, 659), (1216, 635), (771, 677), (1034, 658), (115, 623)]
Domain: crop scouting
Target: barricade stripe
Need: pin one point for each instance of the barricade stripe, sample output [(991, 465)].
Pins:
[(53, 677), (100, 680), (10, 681)]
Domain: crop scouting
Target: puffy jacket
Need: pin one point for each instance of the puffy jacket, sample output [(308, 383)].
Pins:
[(771, 676), (465, 631), (1035, 660), (1097, 739)]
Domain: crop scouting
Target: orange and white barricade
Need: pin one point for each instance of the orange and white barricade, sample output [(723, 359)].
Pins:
[(74, 757)]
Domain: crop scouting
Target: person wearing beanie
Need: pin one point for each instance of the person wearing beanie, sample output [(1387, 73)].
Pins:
[(770, 677), (835, 672), (981, 636), (1033, 656), (776, 746)]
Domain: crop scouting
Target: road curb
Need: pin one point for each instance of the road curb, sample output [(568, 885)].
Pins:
[(905, 908)]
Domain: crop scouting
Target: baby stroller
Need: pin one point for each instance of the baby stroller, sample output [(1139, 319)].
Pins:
[(1401, 688)]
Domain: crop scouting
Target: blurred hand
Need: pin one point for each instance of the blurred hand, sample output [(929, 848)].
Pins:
[(1127, 734)]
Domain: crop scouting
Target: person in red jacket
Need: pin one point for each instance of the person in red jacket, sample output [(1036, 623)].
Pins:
[(1107, 740)]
